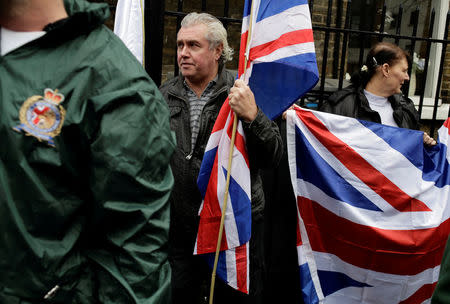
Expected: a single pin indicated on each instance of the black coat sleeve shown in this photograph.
(264, 144)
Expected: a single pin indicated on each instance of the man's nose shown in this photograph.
(407, 77)
(184, 51)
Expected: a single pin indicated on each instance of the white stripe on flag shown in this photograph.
(245, 24)
(387, 283)
(401, 220)
(307, 254)
(230, 256)
(288, 51)
(238, 164)
(271, 28)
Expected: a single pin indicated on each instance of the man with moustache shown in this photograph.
(195, 98)
(84, 161)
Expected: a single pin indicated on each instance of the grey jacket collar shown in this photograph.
(176, 85)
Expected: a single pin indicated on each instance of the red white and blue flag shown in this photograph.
(233, 265)
(282, 64)
(281, 67)
(373, 206)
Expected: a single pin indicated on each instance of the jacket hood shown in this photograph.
(83, 18)
(92, 12)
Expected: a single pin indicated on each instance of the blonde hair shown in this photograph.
(215, 33)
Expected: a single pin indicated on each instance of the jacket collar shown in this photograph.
(363, 100)
(178, 85)
(395, 100)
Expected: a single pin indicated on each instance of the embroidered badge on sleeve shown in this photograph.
(42, 117)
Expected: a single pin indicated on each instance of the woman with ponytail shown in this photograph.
(375, 93)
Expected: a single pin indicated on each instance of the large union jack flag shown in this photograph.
(373, 207)
(281, 67)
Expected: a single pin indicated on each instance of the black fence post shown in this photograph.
(427, 60)
(347, 25)
(412, 48)
(154, 35)
(323, 75)
(337, 40)
(441, 71)
(383, 17)
(399, 24)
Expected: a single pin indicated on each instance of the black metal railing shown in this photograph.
(320, 93)
(156, 15)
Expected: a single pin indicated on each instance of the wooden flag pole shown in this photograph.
(227, 185)
(224, 209)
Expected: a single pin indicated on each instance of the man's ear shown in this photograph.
(218, 52)
(385, 69)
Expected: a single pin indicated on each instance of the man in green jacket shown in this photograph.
(84, 161)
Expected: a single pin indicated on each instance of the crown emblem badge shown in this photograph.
(42, 116)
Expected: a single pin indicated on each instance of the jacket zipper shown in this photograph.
(51, 293)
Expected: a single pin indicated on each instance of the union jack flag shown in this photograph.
(373, 206)
(233, 265)
(281, 67)
(282, 64)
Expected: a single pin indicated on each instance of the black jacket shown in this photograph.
(352, 102)
(264, 147)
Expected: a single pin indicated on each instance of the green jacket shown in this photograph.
(84, 182)
(441, 293)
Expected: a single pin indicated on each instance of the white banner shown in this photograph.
(129, 26)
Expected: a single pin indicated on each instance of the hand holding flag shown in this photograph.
(242, 101)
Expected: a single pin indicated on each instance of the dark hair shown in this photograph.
(379, 54)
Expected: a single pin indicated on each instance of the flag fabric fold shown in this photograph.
(212, 182)
(129, 26)
(281, 67)
(233, 263)
(373, 212)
